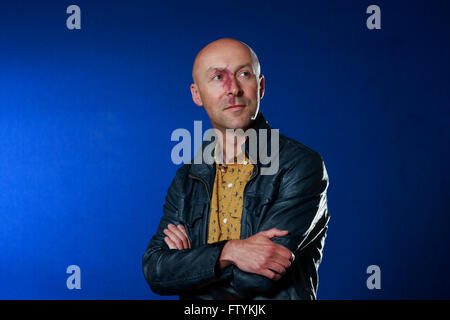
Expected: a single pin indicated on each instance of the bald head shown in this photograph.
(207, 56)
(228, 83)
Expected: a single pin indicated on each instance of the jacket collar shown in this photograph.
(205, 169)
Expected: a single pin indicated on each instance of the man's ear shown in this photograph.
(261, 86)
(196, 95)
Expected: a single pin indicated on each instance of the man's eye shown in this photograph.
(245, 73)
(217, 77)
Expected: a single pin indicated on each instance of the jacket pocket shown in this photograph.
(195, 214)
(255, 211)
(257, 205)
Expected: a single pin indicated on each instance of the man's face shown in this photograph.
(228, 85)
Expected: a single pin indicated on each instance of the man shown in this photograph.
(229, 231)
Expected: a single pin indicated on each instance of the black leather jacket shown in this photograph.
(293, 199)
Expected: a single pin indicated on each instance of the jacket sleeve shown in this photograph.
(300, 208)
(172, 271)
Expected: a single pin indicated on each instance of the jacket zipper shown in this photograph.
(205, 224)
(244, 210)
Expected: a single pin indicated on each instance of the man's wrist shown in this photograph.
(226, 257)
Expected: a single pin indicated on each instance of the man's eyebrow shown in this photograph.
(210, 69)
(249, 64)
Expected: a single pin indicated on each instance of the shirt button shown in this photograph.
(225, 220)
(230, 185)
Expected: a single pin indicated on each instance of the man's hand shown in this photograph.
(177, 237)
(258, 254)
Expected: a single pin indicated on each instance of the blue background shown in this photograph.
(86, 118)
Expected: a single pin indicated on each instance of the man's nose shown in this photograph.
(234, 87)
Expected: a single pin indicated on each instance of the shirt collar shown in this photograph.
(240, 158)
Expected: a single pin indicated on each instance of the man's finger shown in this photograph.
(274, 232)
(271, 275)
(180, 235)
(284, 252)
(282, 260)
(170, 243)
(174, 239)
(276, 267)
(183, 230)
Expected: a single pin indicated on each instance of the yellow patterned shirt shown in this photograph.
(227, 200)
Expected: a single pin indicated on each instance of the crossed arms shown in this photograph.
(256, 254)
(172, 266)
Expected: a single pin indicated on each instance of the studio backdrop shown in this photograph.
(91, 92)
